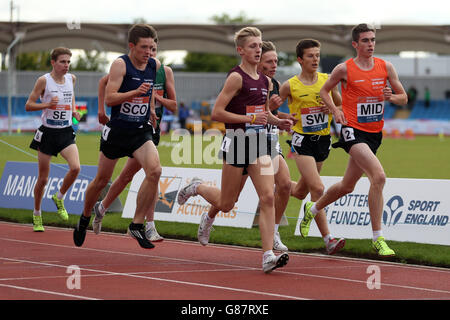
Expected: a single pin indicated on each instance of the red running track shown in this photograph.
(36, 266)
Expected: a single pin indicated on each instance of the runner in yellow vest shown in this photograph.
(311, 140)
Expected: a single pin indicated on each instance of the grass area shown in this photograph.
(423, 157)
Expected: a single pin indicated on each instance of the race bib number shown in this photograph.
(135, 110)
(370, 109)
(314, 119)
(297, 139)
(225, 147)
(105, 132)
(59, 115)
(348, 134)
(251, 110)
(38, 135)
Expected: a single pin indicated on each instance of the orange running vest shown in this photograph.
(362, 98)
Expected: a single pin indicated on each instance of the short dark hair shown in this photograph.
(306, 44)
(268, 46)
(360, 28)
(141, 31)
(59, 52)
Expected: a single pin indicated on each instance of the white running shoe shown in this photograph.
(271, 262)
(334, 245)
(277, 244)
(153, 235)
(188, 191)
(204, 229)
(97, 223)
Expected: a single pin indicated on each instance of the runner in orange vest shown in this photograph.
(364, 94)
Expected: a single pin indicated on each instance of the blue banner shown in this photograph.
(19, 178)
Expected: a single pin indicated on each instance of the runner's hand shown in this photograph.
(285, 124)
(275, 102)
(103, 118)
(387, 93)
(53, 102)
(339, 117)
(143, 89)
(261, 117)
(153, 118)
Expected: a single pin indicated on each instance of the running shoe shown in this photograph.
(277, 244)
(79, 233)
(204, 229)
(308, 216)
(62, 213)
(37, 224)
(334, 245)
(137, 231)
(153, 235)
(271, 262)
(382, 248)
(188, 191)
(97, 223)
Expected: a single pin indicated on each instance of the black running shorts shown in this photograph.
(52, 141)
(351, 136)
(312, 145)
(119, 142)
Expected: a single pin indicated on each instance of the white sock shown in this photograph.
(101, 208)
(209, 219)
(37, 212)
(276, 227)
(314, 210)
(150, 224)
(59, 195)
(268, 253)
(376, 234)
(327, 238)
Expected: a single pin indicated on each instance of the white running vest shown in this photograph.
(59, 116)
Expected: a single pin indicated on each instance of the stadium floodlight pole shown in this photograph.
(11, 71)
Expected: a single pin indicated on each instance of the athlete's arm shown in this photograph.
(75, 112)
(338, 74)
(38, 90)
(336, 96)
(284, 124)
(102, 117)
(116, 73)
(171, 101)
(275, 100)
(399, 97)
(232, 86)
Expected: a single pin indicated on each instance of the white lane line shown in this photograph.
(48, 292)
(269, 294)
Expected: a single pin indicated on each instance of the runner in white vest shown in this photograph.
(55, 135)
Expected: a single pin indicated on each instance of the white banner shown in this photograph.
(416, 210)
(173, 179)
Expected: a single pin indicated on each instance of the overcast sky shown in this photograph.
(434, 12)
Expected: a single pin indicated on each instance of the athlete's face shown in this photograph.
(154, 51)
(310, 60)
(142, 50)
(251, 50)
(62, 63)
(365, 46)
(268, 64)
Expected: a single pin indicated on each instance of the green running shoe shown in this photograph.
(307, 218)
(62, 213)
(37, 224)
(382, 248)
